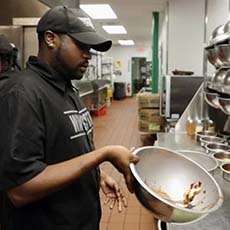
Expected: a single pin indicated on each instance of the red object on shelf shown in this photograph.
(100, 112)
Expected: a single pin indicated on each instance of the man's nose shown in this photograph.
(87, 54)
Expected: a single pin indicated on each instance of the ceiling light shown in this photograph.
(126, 42)
(115, 29)
(99, 11)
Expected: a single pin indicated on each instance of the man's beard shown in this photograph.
(62, 68)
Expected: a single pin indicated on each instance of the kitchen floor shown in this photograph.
(120, 126)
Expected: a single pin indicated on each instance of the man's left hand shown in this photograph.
(113, 192)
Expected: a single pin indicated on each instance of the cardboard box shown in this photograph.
(148, 114)
(148, 100)
(152, 126)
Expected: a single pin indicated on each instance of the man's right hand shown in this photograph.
(121, 157)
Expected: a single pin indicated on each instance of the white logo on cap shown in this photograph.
(86, 21)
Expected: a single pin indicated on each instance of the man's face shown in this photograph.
(4, 63)
(71, 58)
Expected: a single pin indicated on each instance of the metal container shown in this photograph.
(224, 134)
(161, 179)
(218, 35)
(215, 148)
(161, 225)
(205, 133)
(222, 157)
(207, 140)
(206, 161)
(219, 76)
(223, 53)
(212, 99)
(213, 58)
(224, 103)
(225, 167)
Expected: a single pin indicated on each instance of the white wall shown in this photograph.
(185, 36)
(125, 54)
(163, 43)
(186, 32)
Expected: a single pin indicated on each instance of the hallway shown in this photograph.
(120, 126)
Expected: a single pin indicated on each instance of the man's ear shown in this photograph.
(50, 39)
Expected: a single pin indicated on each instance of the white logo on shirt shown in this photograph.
(81, 121)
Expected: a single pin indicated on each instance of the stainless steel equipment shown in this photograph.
(86, 91)
(179, 90)
(163, 176)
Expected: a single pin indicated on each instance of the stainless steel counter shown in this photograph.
(220, 219)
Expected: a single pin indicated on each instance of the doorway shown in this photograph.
(141, 74)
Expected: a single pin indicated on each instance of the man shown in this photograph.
(8, 55)
(48, 164)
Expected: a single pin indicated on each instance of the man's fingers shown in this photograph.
(132, 149)
(124, 201)
(134, 159)
(112, 203)
(107, 199)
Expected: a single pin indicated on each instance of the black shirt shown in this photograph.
(43, 122)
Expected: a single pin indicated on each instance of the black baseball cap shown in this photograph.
(72, 21)
(5, 45)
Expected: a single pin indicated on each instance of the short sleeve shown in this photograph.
(22, 134)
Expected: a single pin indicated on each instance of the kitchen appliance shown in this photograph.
(178, 91)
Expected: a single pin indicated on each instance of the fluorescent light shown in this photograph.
(115, 29)
(126, 42)
(99, 11)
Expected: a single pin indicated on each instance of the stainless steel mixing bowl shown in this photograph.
(206, 161)
(222, 157)
(219, 76)
(207, 140)
(225, 167)
(223, 53)
(224, 104)
(216, 147)
(205, 133)
(212, 99)
(161, 179)
(213, 58)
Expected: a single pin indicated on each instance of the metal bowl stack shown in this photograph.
(222, 157)
(216, 147)
(163, 179)
(211, 139)
(205, 133)
(225, 167)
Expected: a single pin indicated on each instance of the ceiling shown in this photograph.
(135, 15)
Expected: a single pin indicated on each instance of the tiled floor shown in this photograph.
(120, 126)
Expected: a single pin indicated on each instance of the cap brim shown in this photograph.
(97, 42)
